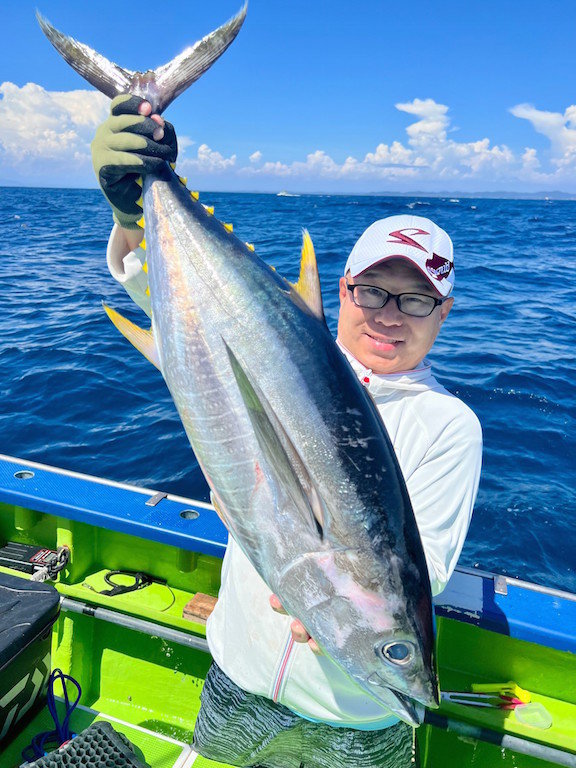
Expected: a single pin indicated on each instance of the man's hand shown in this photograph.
(129, 144)
(299, 633)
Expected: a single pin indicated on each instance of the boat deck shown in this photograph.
(157, 748)
(141, 664)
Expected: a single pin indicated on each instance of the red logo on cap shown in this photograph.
(439, 267)
(403, 239)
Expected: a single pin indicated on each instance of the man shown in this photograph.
(270, 699)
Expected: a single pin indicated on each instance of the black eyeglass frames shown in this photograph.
(413, 304)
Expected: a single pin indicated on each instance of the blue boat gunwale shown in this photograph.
(108, 504)
(499, 604)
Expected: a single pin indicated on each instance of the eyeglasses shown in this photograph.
(413, 304)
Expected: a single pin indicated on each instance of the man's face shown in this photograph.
(386, 340)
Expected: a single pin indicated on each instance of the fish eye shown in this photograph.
(398, 653)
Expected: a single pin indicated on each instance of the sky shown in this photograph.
(342, 97)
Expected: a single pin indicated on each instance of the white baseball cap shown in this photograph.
(414, 238)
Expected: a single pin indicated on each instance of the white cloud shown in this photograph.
(184, 143)
(428, 155)
(559, 128)
(530, 161)
(431, 126)
(44, 131)
(208, 161)
(46, 136)
(395, 154)
(269, 169)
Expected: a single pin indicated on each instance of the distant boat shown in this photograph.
(286, 194)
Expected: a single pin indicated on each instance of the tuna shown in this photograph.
(300, 465)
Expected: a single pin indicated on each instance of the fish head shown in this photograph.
(374, 630)
(395, 623)
(405, 649)
(404, 667)
(394, 651)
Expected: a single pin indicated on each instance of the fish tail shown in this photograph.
(159, 86)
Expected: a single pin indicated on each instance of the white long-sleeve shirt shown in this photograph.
(438, 442)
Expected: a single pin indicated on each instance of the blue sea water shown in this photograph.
(75, 394)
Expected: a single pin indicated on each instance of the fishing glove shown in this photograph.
(124, 150)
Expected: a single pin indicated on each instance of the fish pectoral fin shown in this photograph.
(143, 340)
(308, 285)
(280, 453)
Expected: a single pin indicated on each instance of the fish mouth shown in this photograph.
(406, 708)
(413, 710)
(403, 706)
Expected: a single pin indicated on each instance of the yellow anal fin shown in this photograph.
(308, 285)
(143, 243)
(141, 339)
(145, 267)
(141, 222)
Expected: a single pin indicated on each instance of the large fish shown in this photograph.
(299, 462)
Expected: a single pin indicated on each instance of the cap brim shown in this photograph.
(436, 284)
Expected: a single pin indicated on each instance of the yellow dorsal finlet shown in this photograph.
(140, 202)
(228, 227)
(139, 181)
(183, 180)
(143, 340)
(308, 285)
(195, 195)
(250, 246)
(173, 166)
(209, 209)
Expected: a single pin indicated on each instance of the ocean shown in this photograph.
(75, 394)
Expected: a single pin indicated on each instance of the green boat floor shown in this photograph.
(559, 736)
(156, 602)
(439, 749)
(158, 750)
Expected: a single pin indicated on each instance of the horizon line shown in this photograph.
(486, 194)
